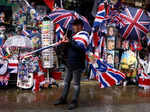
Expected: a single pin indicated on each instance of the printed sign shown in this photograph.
(128, 60)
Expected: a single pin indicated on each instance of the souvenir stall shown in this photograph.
(27, 52)
(30, 55)
(24, 39)
(124, 53)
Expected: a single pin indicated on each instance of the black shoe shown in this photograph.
(60, 102)
(73, 105)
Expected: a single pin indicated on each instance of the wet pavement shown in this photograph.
(92, 99)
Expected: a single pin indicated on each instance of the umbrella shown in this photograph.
(18, 41)
(134, 22)
(66, 17)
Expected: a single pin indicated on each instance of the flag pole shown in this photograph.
(41, 49)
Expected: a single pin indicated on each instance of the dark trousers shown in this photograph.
(76, 76)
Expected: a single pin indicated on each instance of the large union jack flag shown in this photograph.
(135, 23)
(105, 74)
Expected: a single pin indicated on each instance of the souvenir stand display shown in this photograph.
(30, 55)
(47, 39)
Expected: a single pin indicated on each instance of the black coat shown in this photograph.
(75, 56)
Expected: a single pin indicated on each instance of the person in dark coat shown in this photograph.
(75, 63)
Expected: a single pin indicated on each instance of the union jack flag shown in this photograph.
(134, 45)
(82, 39)
(13, 65)
(105, 74)
(99, 25)
(99, 51)
(135, 23)
(100, 16)
(66, 17)
(39, 78)
(102, 13)
(94, 38)
(97, 41)
(62, 15)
